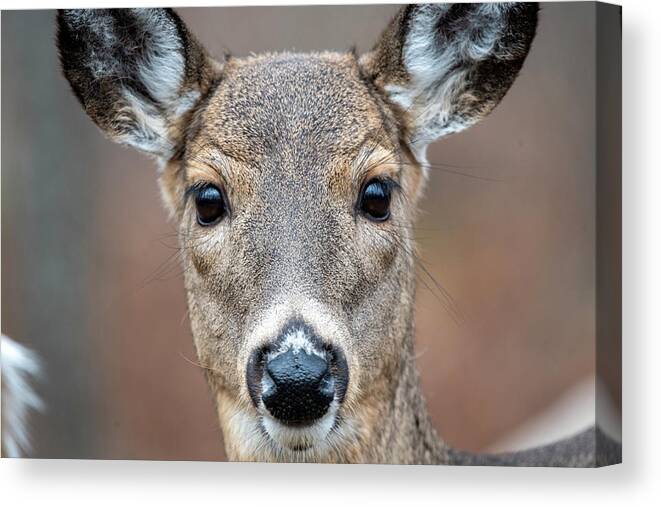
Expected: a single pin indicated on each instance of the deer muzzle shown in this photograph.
(297, 377)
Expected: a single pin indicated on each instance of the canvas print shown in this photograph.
(378, 234)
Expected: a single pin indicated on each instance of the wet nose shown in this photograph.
(297, 386)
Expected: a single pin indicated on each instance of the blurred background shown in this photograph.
(507, 228)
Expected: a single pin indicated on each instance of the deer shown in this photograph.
(293, 180)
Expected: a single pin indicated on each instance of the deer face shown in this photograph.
(296, 247)
(294, 180)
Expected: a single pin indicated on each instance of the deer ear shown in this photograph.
(137, 73)
(448, 65)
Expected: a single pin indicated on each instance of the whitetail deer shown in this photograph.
(294, 180)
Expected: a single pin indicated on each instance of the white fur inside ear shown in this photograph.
(438, 69)
(20, 369)
(159, 66)
(149, 131)
(162, 67)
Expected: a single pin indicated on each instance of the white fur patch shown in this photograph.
(301, 438)
(20, 368)
(295, 340)
(186, 102)
(149, 128)
(262, 438)
(162, 67)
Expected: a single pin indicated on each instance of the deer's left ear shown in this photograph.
(448, 65)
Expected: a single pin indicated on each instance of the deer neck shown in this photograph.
(404, 432)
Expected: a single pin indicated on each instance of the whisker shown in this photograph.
(194, 363)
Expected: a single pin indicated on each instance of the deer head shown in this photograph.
(294, 179)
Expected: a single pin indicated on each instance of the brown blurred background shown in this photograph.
(89, 280)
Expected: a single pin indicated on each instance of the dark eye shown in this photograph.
(210, 205)
(375, 200)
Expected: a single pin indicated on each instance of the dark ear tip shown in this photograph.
(66, 26)
(61, 18)
(65, 32)
(62, 33)
(66, 16)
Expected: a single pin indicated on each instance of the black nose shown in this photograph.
(297, 386)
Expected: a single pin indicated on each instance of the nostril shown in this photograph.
(268, 385)
(255, 373)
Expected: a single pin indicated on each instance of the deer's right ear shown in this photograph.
(137, 73)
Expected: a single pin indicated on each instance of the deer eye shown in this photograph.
(375, 200)
(210, 205)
